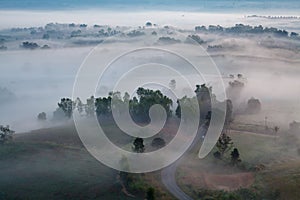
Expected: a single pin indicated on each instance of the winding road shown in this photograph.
(168, 173)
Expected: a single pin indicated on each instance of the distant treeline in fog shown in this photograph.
(83, 34)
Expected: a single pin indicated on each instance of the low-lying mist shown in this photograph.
(39, 78)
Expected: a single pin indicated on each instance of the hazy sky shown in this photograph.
(191, 5)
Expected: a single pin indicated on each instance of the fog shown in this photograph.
(39, 78)
(181, 19)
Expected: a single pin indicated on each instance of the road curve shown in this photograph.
(168, 173)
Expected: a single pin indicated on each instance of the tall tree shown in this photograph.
(66, 105)
(79, 105)
(235, 156)
(138, 145)
(90, 106)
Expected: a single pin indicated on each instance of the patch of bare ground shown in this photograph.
(227, 181)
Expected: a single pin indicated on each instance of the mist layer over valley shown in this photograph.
(38, 76)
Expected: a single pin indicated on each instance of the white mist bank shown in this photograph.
(182, 19)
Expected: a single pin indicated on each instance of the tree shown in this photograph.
(178, 110)
(139, 107)
(138, 145)
(150, 194)
(90, 106)
(253, 106)
(42, 116)
(126, 97)
(224, 144)
(79, 105)
(204, 99)
(103, 106)
(67, 106)
(5, 134)
(229, 111)
(235, 156)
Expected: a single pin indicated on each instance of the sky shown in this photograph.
(184, 5)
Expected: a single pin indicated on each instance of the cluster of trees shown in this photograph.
(242, 29)
(138, 106)
(33, 45)
(135, 33)
(168, 40)
(195, 38)
(29, 45)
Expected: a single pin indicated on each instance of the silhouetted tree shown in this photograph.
(139, 108)
(5, 134)
(224, 144)
(138, 145)
(79, 105)
(253, 106)
(204, 99)
(235, 156)
(103, 106)
(229, 111)
(90, 106)
(178, 110)
(42, 116)
(66, 106)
